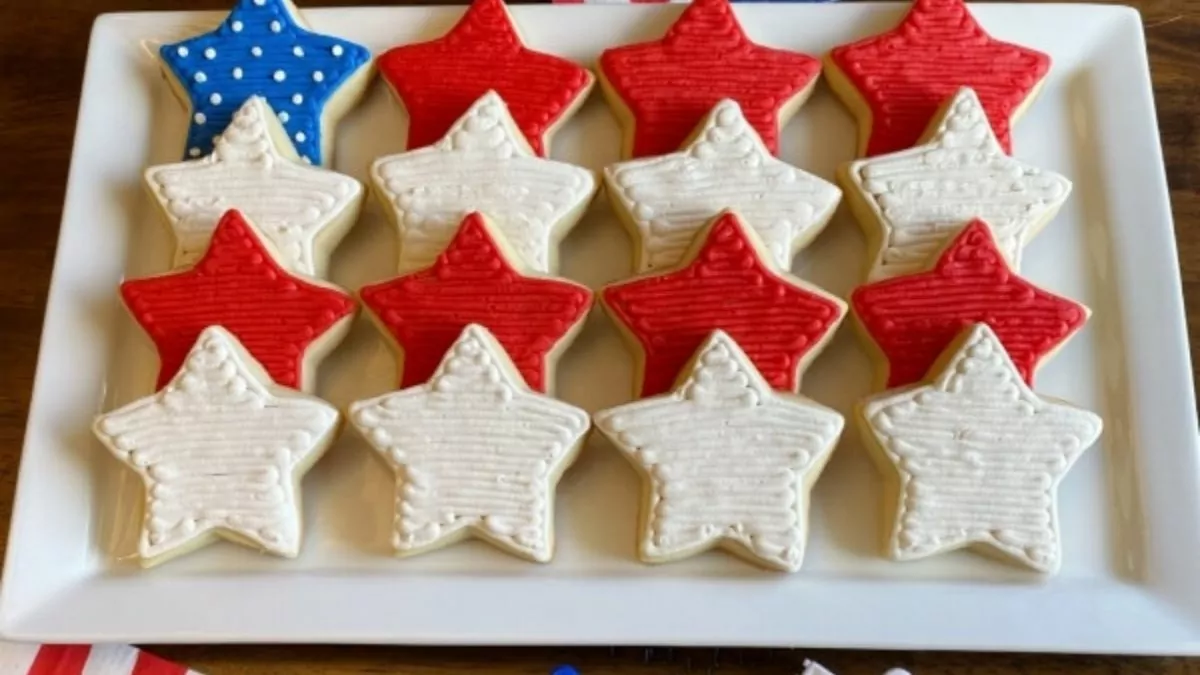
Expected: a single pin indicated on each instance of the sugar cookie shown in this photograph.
(895, 82)
(909, 320)
(475, 451)
(303, 211)
(974, 458)
(725, 282)
(726, 460)
(221, 450)
(911, 202)
(264, 49)
(484, 164)
(664, 201)
(661, 90)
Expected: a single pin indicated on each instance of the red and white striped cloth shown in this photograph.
(32, 659)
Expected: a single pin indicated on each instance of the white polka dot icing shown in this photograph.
(475, 452)
(669, 198)
(180, 440)
(287, 202)
(262, 49)
(483, 163)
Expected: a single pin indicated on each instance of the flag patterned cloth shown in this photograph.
(32, 659)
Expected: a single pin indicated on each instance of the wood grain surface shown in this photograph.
(42, 49)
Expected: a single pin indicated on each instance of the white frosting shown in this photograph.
(922, 196)
(475, 452)
(980, 457)
(482, 164)
(221, 451)
(287, 201)
(726, 166)
(730, 461)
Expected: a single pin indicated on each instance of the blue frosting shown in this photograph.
(260, 50)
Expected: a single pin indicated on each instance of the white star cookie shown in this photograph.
(301, 211)
(482, 164)
(221, 451)
(666, 200)
(912, 202)
(978, 457)
(729, 462)
(475, 451)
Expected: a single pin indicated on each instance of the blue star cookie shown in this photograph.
(263, 49)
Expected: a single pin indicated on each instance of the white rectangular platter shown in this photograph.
(1130, 509)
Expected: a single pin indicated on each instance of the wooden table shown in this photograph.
(42, 48)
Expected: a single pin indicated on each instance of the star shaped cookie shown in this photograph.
(301, 211)
(976, 457)
(439, 80)
(221, 450)
(662, 89)
(665, 200)
(484, 164)
(476, 281)
(911, 319)
(287, 323)
(728, 461)
(264, 49)
(910, 202)
(475, 451)
(896, 81)
(727, 282)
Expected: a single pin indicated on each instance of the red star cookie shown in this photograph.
(475, 281)
(896, 81)
(665, 88)
(725, 283)
(913, 318)
(438, 80)
(286, 322)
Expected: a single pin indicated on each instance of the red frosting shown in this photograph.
(440, 79)
(473, 282)
(907, 73)
(238, 285)
(726, 286)
(914, 318)
(670, 84)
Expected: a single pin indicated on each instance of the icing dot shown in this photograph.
(182, 51)
(276, 26)
(337, 50)
(210, 53)
(318, 76)
(279, 76)
(215, 99)
(260, 3)
(284, 117)
(194, 152)
(237, 26)
(201, 77)
(200, 118)
(306, 159)
(300, 137)
(237, 73)
(298, 50)
(256, 51)
(297, 98)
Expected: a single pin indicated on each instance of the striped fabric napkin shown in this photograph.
(32, 659)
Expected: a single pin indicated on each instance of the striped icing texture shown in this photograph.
(439, 80)
(727, 286)
(238, 285)
(473, 282)
(670, 84)
(905, 74)
(914, 318)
